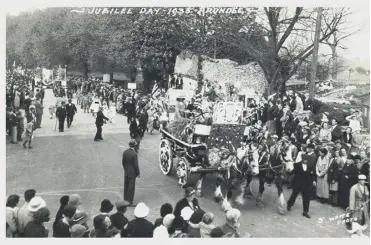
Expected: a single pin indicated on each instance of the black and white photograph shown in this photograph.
(187, 122)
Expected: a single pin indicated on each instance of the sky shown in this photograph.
(358, 45)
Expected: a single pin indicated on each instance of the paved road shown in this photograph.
(71, 162)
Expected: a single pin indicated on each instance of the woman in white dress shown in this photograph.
(112, 113)
(105, 110)
(322, 167)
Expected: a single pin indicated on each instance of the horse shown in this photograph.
(242, 164)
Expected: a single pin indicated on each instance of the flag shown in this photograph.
(154, 90)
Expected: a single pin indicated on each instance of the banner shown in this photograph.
(228, 113)
(106, 78)
(132, 86)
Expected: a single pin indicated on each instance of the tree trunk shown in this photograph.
(334, 69)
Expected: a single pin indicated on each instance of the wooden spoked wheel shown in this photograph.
(166, 157)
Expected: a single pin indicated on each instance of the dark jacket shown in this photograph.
(336, 133)
(140, 228)
(61, 112)
(333, 171)
(71, 109)
(346, 140)
(272, 113)
(119, 221)
(134, 129)
(130, 163)
(100, 118)
(184, 203)
(42, 93)
(34, 229)
(61, 229)
(302, 179)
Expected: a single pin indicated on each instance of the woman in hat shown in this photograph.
(322, 166)
(359, 195)
(36, 228)
(348, 178)
(29, 132)
(325, 132)
(188, 201)
(333, 178)
(140, 227)
(179, 108)
(347, 137)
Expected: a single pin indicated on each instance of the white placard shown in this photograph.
(106, 78)
(132, 86)
(64, 83)
(228, 113)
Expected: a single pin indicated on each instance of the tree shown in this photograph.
(351, 70)
(342, 32)
(279, 58)
(361, 70)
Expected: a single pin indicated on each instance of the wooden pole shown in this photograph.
(315, 53)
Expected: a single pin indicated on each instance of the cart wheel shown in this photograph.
(166, 157)
(183, 171)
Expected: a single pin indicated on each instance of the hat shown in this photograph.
(189, 191)
(178, 223)
(132, 143)
(168, 220)
(311, 146)
(69, 211)
(233, 214)
(186, 213)
(141, 210)
(121, 205)
(35, 204)
(106, 206)
(80, 218)
(303, 123)
(306, 128)
(337, 141)
(160, 232)
(32, 107)
(274, 136)
(74, 200)
(197, 216)
(362, 177)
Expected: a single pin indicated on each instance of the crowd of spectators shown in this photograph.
(186, 219)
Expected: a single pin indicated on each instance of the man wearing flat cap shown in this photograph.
(131, 168)
(119, 221)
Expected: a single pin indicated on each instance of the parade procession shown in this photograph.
(196, 143)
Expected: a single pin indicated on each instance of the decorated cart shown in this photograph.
(193, 145)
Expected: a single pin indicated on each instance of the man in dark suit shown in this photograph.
(302, 182)
(335, 131)
(71, 110)
(135, 132)
(39, 112)
(61, 114)
(42, 95)
(131, 168)
(99, 124)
